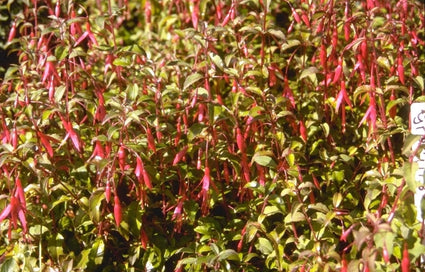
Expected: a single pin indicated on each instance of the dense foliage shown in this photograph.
(244, 135)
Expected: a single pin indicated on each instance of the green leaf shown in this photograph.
(256, 111)
(319, 207)
(196, 130)
(59, 92)
(37, 230)
(183, 250)
(251, 232)
(216, 112)
(310, 72)
(408, 144)
(409, 169)
(345, 158)
(55, 246)
(363, 89)
(265, 161)
(113, 131)
(191, 79)
(419, 80)
(390, 88)
(338, 175)
(294, 217)
(132, 91)
(62, 199)
(100, 21)
(218, 62)
(189, 260)
(394, 103)
(9, 265)
(77, 52)
(95, 202)
(10, 73)
(122, 61)
(249, 256)
(269, 210)
(371, 196)
(202, 93)
(277, 33)
(336, 200)
(61, 52)
(418, 249)
(84, 259)
(289, 44)
(48, 30)
(202, 230)
(228, 254)
(264, 246)
(7, 147)
(386, 239)
(97, 251)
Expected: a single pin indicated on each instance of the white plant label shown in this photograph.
(417, 118)
(417, 127)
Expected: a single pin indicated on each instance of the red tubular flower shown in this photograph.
(303, 131)
(121, 157)
(243, 231)
(240, 140)
(88, 33)
(108, 192)
(57, 9)
(393, 110)
(143, 238)
(338, 72)
(385, 254)
(148, 11)
(342, 96)
(405, 262)
(147, 179)
(117, 211)
(246, 175)
(296, 16)
(206, 182)
(177, 215)
(195, 14)
(230, 15)
(151, 140)
(141, 173)
(180, 155)
(16, 211)
(287, 92)
(344, 265)
(345, 234)
(71, 134)
(45, 141)
(261, 175)
(12, 32)
(400, 69)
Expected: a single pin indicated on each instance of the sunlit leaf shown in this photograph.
(218, 62)
(55, 246)
(228, 254)
(9, 265)
(265, 161)
(95, 202)
(264, 246)
(123, 61)
(191, 79)
(410, 169)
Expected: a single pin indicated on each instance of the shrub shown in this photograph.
(198, 135)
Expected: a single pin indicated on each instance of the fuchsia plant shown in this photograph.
(198, 135)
